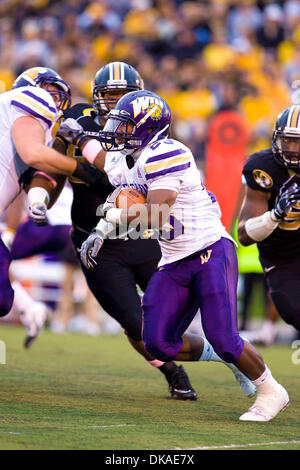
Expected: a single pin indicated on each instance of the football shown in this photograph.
(128, 197)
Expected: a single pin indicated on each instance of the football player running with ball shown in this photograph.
(270, 214)
(125, 262)
(198, 267)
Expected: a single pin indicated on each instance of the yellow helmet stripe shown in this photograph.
(295, 116)
(117, 74)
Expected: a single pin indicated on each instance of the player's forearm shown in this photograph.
(49, 160)
(152, 216)
(52, 183)
(94, 154)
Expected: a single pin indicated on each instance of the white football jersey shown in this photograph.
(24, 101)
(194, 222)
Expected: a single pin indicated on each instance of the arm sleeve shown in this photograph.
(167, 171)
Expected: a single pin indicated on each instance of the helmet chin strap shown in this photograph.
(158, 134)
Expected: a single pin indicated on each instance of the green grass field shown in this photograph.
(79, 392)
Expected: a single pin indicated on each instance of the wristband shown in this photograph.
(37, 195)
(113, 215)
(41, 173)
(91, 150)
(259, 228)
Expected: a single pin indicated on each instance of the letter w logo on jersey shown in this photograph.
(205, 256)
(145, 102)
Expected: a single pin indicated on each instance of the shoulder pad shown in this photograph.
(79, 110)
(167, 156)
(260, 170)
(37, 102)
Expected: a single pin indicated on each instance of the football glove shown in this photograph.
(90, 249)
(287, 198)
(37, 213)
(73, 132)
(110, 201)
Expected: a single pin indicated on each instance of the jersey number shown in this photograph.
(175, 229)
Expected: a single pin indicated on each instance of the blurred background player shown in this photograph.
(28, 115)
(270, 214)
(25, 239)
(252, 283)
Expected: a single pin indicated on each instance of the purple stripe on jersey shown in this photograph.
(40, 100)
(165, 155)
(32, 112)
(168, 170)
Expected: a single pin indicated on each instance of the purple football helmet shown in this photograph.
(139, 118)
(42, 77)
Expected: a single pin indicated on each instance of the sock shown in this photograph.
(266, 382)
(208, 353)
(166, 368)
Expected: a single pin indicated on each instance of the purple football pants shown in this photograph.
(205, 280)
(33, 240)
(30, 240)
(6, 291)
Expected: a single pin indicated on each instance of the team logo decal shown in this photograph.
(156, 111)
(262, 178)
(148, 104)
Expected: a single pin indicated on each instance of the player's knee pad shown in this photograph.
(132, 327)
(6, 300)
(292, 317)
(134, 333)
(288, 309)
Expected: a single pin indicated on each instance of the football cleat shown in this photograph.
(180, 386)
(34, 319)
(267, 406)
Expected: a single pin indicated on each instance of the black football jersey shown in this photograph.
(263, 173)
(86, 199)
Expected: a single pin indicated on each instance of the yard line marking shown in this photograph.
(111, 426)
(9, 432)
(232, 446)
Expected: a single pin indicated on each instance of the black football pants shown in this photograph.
(122, 265)
(284, 284)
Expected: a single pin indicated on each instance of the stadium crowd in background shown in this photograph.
(201, 56)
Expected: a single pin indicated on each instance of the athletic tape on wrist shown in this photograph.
(259, 228)
(91, 150)
(104, 227)
(113, 215)
(38, 195)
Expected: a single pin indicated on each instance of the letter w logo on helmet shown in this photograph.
(142, 103)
